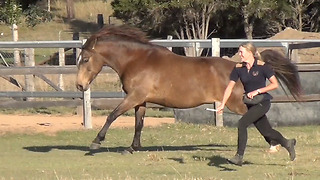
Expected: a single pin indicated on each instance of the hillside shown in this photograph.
(60, 28)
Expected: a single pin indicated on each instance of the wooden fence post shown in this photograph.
(29, 62)
(169, 37)
(215, 44)
(87, 109)
(87, 121)
(100, 21)
(61, 63)
(16, 53)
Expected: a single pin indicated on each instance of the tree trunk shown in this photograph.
(248, 26)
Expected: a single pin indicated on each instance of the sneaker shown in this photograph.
(274, 149)
(290, 148)
(236, 160)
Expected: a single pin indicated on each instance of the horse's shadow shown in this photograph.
(217, 161)
(121, 149)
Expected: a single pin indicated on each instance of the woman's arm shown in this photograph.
(271, 86)
(226, 96)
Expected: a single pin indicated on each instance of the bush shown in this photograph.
(36, 15)
(11, 12)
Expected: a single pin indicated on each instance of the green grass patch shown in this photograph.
(175, 151)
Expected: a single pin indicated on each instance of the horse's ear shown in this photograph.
(94, 43)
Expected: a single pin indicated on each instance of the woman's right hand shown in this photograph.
(220, 108)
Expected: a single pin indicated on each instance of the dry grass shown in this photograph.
(61, 29)
(85, 10)
(103, 82)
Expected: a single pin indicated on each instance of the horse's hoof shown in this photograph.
(125, 152)
(89, 154)
(130, 150)
(94, 146)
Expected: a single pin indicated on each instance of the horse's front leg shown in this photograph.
(96, 143)
(139, 120)
(123, 107)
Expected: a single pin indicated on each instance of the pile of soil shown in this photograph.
(310, 55)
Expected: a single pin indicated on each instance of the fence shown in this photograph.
(214, 44)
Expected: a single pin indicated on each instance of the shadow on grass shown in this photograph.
(220, 163)
(121, 149)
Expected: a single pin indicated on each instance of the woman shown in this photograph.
(253, 73)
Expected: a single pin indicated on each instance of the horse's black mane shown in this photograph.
(121, 33)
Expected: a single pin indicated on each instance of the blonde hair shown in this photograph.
(252, 48)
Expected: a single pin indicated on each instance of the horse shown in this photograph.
(152, 73)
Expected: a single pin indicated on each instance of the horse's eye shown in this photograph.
(85, 60)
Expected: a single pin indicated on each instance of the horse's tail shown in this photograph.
(284, 70)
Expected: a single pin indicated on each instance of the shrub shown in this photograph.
(36, 15)
(11, 12)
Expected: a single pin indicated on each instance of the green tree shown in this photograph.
(35, 15)
(313, 22)
(186, 19)
(11, 12)
(300, 15)
(251, 11)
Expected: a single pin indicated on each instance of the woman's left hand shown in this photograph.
(252, 94)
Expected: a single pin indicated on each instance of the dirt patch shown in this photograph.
(51, 124)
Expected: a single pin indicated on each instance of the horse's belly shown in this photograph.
(181, 99)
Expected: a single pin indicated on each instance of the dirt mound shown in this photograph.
(310, 55)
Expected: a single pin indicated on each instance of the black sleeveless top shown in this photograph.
(255, 78)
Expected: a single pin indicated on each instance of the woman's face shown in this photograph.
(245, 54)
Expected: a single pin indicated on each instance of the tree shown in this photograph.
(186, 19)
(300, 15)
(251, 11)
(11, 14)
(313, 22)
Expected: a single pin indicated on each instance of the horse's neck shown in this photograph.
(118, 58)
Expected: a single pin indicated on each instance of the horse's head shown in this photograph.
(89, 64)
(109, 46)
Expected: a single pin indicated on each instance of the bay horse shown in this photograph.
(152, 73)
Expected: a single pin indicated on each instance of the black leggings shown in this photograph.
(256, 114)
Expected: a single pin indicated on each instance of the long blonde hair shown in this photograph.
(252, 48)
(286, 72)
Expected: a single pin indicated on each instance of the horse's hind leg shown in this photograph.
(139, 120)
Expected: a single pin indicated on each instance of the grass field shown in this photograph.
(176, 151)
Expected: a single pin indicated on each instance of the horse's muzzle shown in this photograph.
(80, 87)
